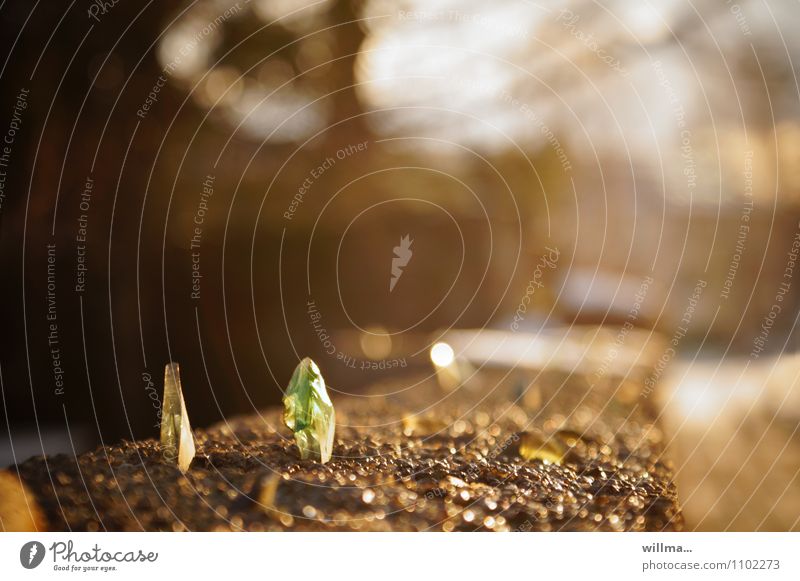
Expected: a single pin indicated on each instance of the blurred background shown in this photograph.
(235, 185)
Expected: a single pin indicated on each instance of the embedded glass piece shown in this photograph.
(534, 447)
(177, 440)
(309, 412)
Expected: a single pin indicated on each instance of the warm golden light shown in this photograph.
(376, 343)
(442, 355)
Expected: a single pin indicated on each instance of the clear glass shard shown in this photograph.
(309, 412)
(177, 440)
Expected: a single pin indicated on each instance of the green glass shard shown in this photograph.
(309, 412)
(177, 440)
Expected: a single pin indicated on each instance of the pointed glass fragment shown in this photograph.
(176, 433)
(309, 412)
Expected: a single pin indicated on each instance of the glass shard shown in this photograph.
(268, 492)
(534, 447)
(309, 412)
(177, 440)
